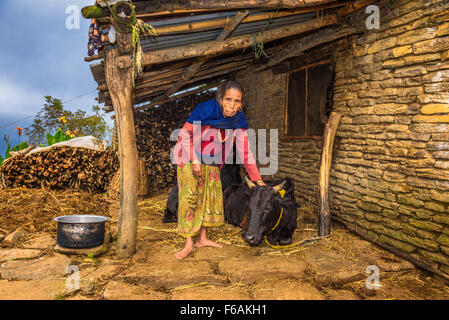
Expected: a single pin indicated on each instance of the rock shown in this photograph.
(116, 290)
(174, 274)
(15, 254)
(102, 273)
(95, 251)
(329, 269)
(49, 289)
(14, 237)
(41, 242)
(35, 269)
(248, 269)
(86, 286)
(107, 262)
(209, 293)
(289, 289)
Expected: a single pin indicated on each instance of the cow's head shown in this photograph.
(264, 209)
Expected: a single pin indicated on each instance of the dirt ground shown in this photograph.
(333, 268)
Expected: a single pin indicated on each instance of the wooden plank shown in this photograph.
(307, 43)
(324, 224)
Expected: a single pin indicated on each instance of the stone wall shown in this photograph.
(389, 175)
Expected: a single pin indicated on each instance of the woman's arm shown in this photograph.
(245, 154)
(185, 140)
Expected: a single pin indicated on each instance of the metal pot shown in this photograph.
(80, 231)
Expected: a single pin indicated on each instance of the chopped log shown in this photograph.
(61, 168)
(306, 43)
(324, 224)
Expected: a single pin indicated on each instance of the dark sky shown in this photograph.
(40, 56)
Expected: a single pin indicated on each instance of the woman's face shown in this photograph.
(232, 102)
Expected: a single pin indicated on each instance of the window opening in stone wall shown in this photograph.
(309, 100)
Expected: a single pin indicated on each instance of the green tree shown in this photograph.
(48, 120)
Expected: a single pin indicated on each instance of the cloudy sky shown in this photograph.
(40, 56)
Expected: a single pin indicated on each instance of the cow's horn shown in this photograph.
(279, 186)
(249, 183)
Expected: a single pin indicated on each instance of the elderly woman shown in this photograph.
(200, 192)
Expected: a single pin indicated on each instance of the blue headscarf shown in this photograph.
(209, 113)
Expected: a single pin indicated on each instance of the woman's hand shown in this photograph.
(196, 169)
(260, 182)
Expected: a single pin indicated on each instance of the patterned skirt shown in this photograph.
(200, 199)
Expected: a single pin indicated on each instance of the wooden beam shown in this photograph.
(306, 43)
(147, 6)
(324, 224)
(182, 95)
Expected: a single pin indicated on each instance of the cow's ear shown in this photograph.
(249, 183)
(279, 186)
(285, 203)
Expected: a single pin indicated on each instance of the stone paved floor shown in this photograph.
(332, 268)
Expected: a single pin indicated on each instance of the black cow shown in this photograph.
(229, 174)
(257, 209)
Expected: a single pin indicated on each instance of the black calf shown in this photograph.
(257, 209)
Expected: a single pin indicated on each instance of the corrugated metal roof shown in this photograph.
(176, 40)
(173, 41)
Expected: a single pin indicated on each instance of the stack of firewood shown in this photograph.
(60, 168)
(153, 129)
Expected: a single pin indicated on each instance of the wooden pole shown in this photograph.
(324, 224)
(119, 79)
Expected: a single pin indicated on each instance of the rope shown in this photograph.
(282, 193)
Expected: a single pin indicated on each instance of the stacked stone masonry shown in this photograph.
(390, 167)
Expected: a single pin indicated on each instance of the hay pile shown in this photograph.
(34, 209)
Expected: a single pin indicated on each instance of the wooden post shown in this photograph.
(119, 78)
(324, 220)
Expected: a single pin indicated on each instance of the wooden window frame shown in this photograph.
(285, 136)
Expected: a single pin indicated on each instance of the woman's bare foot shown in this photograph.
(186, 251)
(203, 241)
(207, 243)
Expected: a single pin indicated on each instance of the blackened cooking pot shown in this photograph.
(80, 231)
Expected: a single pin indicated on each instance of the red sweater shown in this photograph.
(209, 133)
